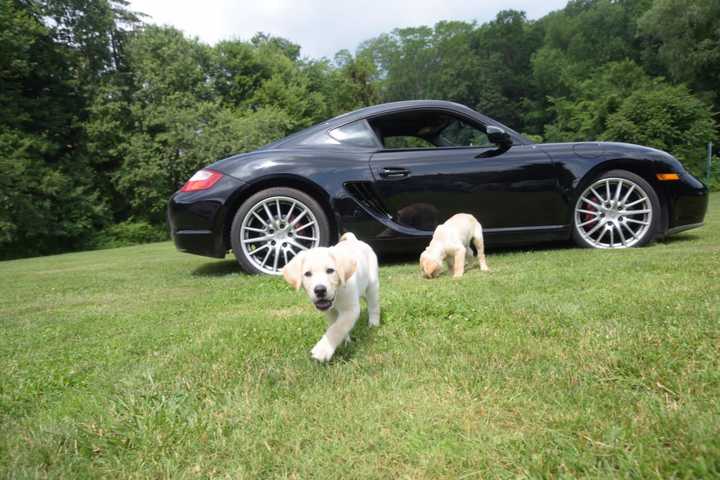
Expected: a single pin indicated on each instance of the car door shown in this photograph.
(513, 190)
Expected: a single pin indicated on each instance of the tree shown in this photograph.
(180, 136)
(583, 114)
(237, 70)
(666, 117)
(182, 105)
(50, 202)
(622, 103)
(687, 39)
(353, 82)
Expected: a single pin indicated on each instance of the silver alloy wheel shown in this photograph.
(613, 213)
(275, 230)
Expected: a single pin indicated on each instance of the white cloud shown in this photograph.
(322, 27)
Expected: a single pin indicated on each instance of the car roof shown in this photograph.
(393, 106)
(379, 109)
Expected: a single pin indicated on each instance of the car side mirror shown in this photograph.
(499, 137)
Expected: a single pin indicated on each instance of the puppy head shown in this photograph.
(429, 265)
(320, 271)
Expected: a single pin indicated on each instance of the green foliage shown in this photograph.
(668, 118)
(354, 83)
(687, 40)
(582, 115)
(237, 70)
(130, 232)
(181, 136)
(713, 181)
(621, 103)
(49, 202)
(533, 137)
(43, 209)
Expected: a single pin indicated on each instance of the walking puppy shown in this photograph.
(335, 278)
(451, 243)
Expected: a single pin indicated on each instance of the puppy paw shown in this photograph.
(322, 351)
(374, 321)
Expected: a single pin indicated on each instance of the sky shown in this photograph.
(322, 27)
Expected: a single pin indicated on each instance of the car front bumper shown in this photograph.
(687, 201)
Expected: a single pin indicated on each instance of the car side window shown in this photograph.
(427, 129)
(460, 134)
(356, 133)
(406, 141)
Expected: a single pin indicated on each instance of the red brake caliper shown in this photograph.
(587, 216)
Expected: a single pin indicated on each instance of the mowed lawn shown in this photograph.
(143, 362)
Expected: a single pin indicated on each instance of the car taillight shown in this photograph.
(202, 180)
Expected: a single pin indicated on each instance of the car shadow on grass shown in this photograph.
(414, 257)
(218, 269)
(230, 267)
(678, 239)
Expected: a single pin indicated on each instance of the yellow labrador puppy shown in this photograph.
(451, 243)
(335, 278)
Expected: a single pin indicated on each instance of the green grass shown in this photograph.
(143, 362)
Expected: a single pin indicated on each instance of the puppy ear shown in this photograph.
(344, 264)
(292, 272)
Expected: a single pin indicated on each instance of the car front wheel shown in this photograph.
(274, 225)
(617, 210)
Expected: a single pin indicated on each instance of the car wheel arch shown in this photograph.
(287, 181)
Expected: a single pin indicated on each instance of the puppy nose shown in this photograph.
(320, 291)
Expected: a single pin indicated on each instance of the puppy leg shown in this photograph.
(479, 243)
(373, 303)
(458, 259)
(335, 334)
(332, 316)
(372, 293)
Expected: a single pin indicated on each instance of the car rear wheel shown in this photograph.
(274, 225)
(617, 210)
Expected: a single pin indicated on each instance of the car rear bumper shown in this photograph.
(198, 219)
(199, 242)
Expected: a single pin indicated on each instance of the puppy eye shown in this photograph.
(330, 271)
(308, 274)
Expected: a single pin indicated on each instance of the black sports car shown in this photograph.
(390, 173)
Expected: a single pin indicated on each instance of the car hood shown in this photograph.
(593, 149)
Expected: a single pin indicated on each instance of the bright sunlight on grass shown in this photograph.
(143, 362)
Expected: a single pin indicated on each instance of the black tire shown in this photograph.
(582, 222)
(245, 260)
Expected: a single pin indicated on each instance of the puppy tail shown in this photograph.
(348, 236)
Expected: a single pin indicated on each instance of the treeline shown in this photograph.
(103, 116)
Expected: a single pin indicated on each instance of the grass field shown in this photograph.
(143, 362)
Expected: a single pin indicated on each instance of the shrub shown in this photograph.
(129, 232)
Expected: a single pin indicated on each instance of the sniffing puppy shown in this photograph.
(335, 278)
(451, 243)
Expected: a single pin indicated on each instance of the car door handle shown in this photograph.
(394, 172)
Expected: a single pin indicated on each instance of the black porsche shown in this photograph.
(390, 173)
